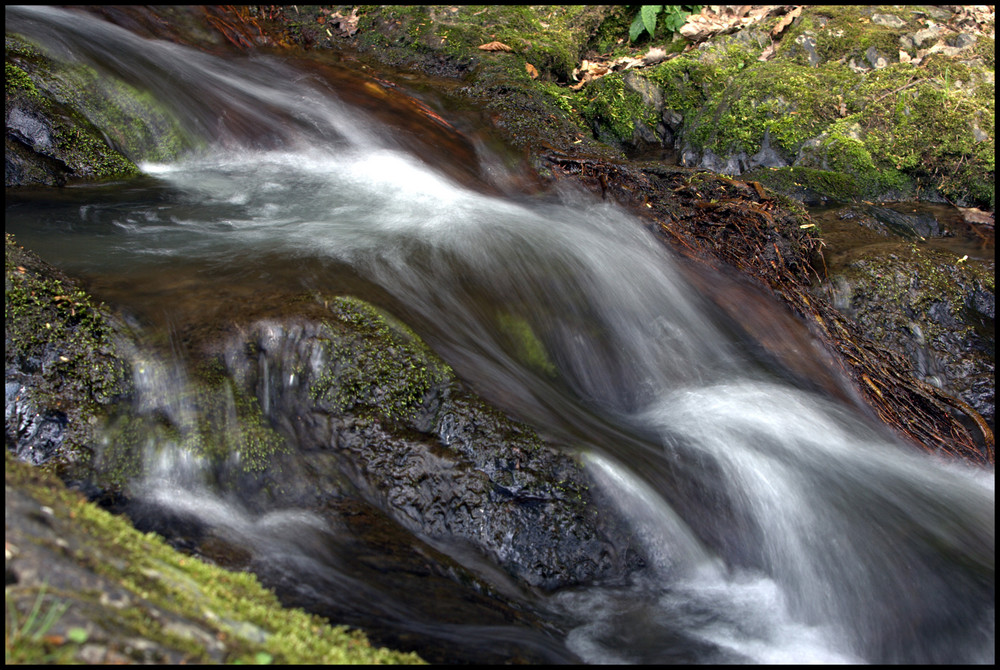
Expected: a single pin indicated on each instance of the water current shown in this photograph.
(846, 546)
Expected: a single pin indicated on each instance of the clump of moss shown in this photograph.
(551, 38)
(99, 126)
(615, 110)
(377, 364)
(56, 333)
(529, 348)
(179, 605)
(895, 131)
(73, 142)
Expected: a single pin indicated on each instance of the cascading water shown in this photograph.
(781, 524)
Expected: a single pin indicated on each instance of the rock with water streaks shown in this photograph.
(438, 460)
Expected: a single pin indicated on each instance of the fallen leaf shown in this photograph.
(348, 25)
(654, 56)
(786, 21)
(973, 215)
(532, 71)
(767, 52)
(495, 46)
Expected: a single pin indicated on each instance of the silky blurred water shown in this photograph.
(783, 526)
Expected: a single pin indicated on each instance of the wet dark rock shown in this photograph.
(907, 226)
(65, 365)
(419, 447)
(938, 313)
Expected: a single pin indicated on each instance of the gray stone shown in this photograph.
(858, 68)
(877, 60)
(768, 156)
(921, 37)
(808, 44)
(962, 40)
(888, 20)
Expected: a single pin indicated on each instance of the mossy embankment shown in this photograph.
(128, 597)
(848, 103)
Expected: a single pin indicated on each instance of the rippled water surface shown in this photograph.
(842, 545)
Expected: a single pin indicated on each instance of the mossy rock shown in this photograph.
(936, 311)
(551, 38)
(66, 364)
(121, 596)
(67, 122)
(895, 130)
(386, 419)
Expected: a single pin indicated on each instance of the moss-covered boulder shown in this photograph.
(399, 428)
(84, 586)
(66, 122)
(866, 96)
(66, 364)
(842, 103)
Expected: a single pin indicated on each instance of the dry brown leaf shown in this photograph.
(973, 215)
(768, 51)
(346, 24)
(786, 21)
(532, 71)
(495, 46)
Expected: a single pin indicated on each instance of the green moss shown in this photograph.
(846, 31)
(135, 123)
(893, 131)
(808, 183)
(377, 364)
(613, 109)
(18, 81)
(56, 328)
(551, 38)
(100, 125)
(926, 131)
(528, 348)
(244, 619)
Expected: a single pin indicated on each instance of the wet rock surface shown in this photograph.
(426, 452)
(896, 275)
(65, 364)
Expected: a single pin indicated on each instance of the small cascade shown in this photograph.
(778, 524)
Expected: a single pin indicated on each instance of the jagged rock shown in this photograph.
(415, 444)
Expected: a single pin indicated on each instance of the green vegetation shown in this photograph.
(24, 637)
(895, 130)
(529, 349)
(376, 363)
(99, 126)
(74, 140)
(551, 38)
(674, 17)
(613, 109)
(175, 602)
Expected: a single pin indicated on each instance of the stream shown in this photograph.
(838, 543)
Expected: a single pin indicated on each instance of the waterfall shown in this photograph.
(782, 524)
